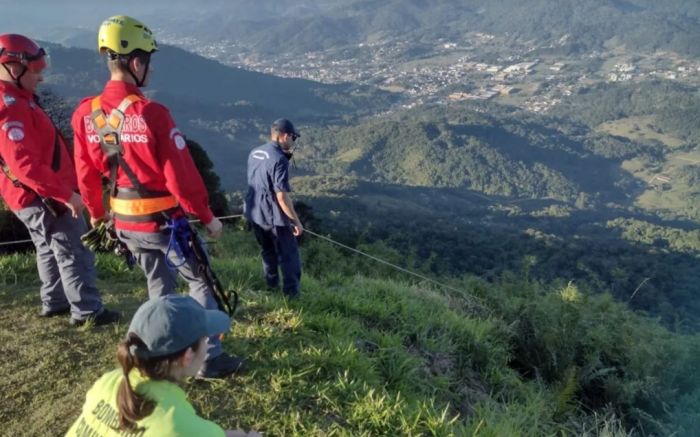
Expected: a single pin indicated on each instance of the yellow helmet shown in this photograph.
(122, 35)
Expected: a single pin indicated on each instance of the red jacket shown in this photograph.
(27, 141)
(153, 148)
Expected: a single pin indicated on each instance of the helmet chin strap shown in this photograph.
(17, 79)
(140, 82)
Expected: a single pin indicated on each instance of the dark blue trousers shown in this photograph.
(280, 250)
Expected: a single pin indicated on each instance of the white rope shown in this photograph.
(418, 275)
(10, 243)
(344, 246)
(225, 217)
(637, 289)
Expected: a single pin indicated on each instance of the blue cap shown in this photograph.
(171, 323)
(284, 126)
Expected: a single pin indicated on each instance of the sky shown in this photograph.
(24, 15)
(75, 22)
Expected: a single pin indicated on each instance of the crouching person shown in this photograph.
(166, 342)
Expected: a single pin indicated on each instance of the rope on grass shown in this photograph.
(475, 300)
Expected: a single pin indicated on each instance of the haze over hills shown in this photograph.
(579, 25)
(282, 27)
(224, 108)
(76, 72)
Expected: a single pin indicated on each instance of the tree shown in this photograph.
(217, 198)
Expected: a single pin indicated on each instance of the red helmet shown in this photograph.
(20, 49)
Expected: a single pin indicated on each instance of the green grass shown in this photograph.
(638, 128)
(359, 354)
(670, 198)
(675, 197)
(351, 155)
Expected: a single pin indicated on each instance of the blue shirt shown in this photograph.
(268, 173)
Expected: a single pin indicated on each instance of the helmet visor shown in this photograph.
(38, 62)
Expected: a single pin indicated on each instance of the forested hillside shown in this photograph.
(486, 189)
(663, 115)
(496, 152)
(573, 26)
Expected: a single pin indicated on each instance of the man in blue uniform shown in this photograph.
(269, 208)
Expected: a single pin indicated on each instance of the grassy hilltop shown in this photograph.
(367, 352)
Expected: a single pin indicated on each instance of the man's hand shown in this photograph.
(287, 206)
(297, 228)
(214, 228)
(95, 221)
(75, 204)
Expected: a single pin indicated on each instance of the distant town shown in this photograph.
(480, 67)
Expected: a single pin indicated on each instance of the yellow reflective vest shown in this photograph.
(173, 415)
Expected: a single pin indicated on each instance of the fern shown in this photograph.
(565, 392)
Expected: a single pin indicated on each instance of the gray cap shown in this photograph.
(284, 126)
(171, 323)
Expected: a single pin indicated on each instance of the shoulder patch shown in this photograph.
(178, 138)
(14, 130)
(260, 154)
(8, 100)
(16, 134)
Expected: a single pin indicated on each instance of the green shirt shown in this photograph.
(173, 414)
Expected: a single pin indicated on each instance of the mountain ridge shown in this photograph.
(640, 24)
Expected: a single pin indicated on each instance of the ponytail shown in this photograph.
(131, 405)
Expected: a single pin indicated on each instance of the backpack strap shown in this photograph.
(8, 173)
(135, 204)
(109, 129)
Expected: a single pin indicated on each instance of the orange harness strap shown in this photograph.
(144, 206)
(136, 207)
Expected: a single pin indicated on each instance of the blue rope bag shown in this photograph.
(180, 236)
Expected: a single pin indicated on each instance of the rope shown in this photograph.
(418, 275)
(10, 243)
(226, 217)
(344, 246)
(637, 289)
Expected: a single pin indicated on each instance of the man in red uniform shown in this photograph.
(134, 141)
(39, 185)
